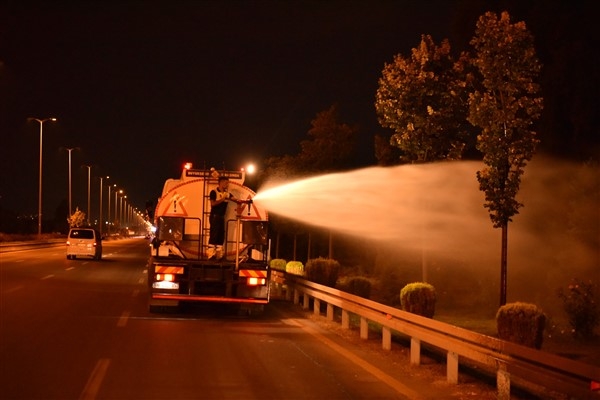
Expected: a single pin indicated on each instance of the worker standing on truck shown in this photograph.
(219, 198)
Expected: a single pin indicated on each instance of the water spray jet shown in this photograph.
(439, 207)
(385, 203)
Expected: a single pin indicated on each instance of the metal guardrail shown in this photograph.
(508, 361)
(6, 247)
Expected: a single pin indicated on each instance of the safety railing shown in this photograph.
(508, 361)
(5, 247)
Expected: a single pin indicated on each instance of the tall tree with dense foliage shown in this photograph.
(423, 99)
(331, 144)
(504, 106)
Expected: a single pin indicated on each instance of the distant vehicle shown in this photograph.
(84, 242)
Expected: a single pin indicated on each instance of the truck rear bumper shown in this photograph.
(212, 299)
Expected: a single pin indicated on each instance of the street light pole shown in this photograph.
(116, 207)
(70, 207)
(89, 167)
(100, 222)
(125, 223)
(41, 121)
(121, 211)
(109, 199)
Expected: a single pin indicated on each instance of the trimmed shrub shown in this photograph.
(278, 264)
(359, 286)
(521, 323)
(324, 271)
(418, 298)
(294, 267)
(581, 307)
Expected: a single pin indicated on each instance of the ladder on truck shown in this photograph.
(204, 237)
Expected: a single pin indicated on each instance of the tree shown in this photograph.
(504, 106)
(330, 147)
(77, 219)
(423, 99)
(385, 153)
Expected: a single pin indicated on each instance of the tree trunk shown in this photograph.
(503, 264)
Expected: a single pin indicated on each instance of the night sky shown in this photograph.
(142, 87)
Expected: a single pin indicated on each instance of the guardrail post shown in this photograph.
(305, 301)
(345, 319)
(364, 328)
(330, 312)
(452, 367)
(386, 340)
(296, 296)
(316, 306)
(503, 382)
(415, 351)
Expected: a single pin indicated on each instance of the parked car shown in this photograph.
(84, 242)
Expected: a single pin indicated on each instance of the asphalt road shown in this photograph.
(80, 329)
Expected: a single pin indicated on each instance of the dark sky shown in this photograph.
(141, 87)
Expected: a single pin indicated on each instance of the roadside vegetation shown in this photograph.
(481, 104)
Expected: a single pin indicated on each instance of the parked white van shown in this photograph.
(84, 242)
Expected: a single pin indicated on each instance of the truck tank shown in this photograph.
(179, 268)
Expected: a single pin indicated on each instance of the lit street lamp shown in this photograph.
(41, 121)
(250, 169)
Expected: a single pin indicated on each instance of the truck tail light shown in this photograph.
(165, 277)
(256, 281)
(254, 277)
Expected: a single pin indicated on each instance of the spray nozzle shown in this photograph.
(249, 202)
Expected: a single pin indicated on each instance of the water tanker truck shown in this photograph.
(181, 267)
